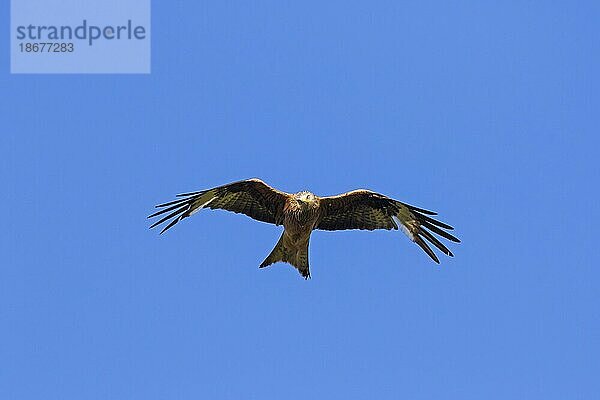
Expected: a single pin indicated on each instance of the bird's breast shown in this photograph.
(300, 220)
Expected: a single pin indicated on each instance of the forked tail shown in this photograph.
(277, 254)
(287, 254)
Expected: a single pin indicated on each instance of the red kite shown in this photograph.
(303, 212)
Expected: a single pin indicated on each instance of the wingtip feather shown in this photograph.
(176, 220)
(433, 240)
(426, 248)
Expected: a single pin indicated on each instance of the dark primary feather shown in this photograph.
(251, 197)
(433, 221)
(433, 240)
(179, 210)
(437, 230)
(418, 240)
(421, 210)
(363, 209)
(187, 194)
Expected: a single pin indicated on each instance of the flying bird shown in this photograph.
(303, 212)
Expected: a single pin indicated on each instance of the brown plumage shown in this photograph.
(303, 212)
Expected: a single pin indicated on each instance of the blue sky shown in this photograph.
(485, 113)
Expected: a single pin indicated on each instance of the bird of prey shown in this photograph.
(303, 212)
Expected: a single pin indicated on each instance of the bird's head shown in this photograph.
(305, 198)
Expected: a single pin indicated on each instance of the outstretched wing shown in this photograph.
(363, 209)
(251, 197)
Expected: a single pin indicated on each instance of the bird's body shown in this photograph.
(303, 212)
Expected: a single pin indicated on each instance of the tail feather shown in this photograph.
(295, 257)
(301, 262)
(277, 254)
